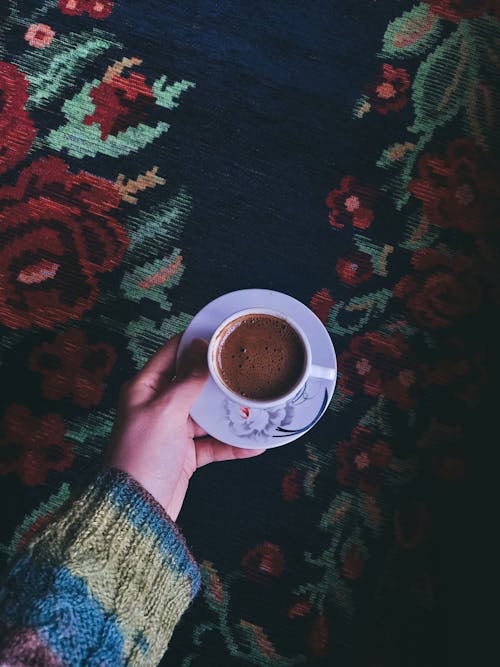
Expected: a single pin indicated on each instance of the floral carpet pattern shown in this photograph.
(155, 155)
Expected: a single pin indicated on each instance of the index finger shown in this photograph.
(159, 370)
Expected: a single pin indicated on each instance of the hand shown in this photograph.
(154, 439)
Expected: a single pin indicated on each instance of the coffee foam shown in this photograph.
(260, 357)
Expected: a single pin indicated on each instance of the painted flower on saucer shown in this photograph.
(260, 424)
(257, 424)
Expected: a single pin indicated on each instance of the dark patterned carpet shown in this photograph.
(155, 155)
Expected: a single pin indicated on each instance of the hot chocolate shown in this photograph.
(260, 357)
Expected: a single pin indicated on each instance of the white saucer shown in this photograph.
(257, 428)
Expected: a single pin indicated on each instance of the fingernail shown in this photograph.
(194, 361)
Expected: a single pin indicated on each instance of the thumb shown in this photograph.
(191, 376)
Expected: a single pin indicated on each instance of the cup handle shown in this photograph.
(323, 372)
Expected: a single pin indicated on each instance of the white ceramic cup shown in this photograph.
(309, 370)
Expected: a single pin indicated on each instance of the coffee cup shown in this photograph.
(262, 358)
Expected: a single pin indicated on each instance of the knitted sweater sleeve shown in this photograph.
(104, 584)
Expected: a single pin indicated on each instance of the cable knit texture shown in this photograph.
(104, 584)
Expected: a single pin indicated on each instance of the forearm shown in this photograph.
(104, 584)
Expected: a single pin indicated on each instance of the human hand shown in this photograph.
(154, 438)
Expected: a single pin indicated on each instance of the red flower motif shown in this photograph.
(72, 367)
(362, 459)
(73, 7)
(32, 446)
(321, 304)
(351, 204)
(379, 365)
(353, 564)
(460, 189)
(39, 35)
(461, 370)
(264, 561)
(445, 449)
(292, 485)
(97, 9)
(355, 267)
(55, 237)
(487, 249)
(456, 10)
(300, 608)
(388, 93)
(120, 102)
(318, 637)
(444, 289)
(16, 128)
(411, 523)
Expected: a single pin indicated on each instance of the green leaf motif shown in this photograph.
(46, 508)
(166, 96)
(154, 229)
(379, 254)
(482, 109)
(62, 65)
(145, 336)
(397, 185)
(338, 521)
(337, 517)
(420, 233)
(43, 9)
(442, 81)
(358, 312)
(378, 417)
(213, 588)
(411, 34)
(151, 233)
(90, 435)
(361, 107)
(153, 279)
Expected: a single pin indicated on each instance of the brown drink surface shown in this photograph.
(260, 357)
